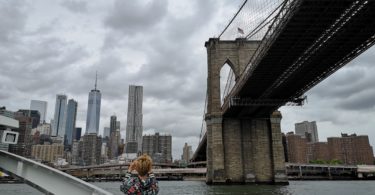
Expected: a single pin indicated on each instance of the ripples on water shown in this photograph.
(198, 187)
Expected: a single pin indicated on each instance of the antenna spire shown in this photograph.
(96, 79)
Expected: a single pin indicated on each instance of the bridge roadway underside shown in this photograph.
(316, 39)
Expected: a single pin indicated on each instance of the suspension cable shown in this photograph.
(230, 22)
(262, 25)
(204, 113)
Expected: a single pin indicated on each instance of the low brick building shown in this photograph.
(351, 149)
(297, 148)
(317, 151)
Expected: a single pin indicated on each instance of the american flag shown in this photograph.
(239, 30)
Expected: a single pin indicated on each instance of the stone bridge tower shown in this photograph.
(239, 150)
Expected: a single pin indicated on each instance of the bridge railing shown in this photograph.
(46, 179)
(285, 13)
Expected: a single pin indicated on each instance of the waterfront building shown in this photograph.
(40, 106)
(351, 149)
(307, 130)
(71, 116)
(318, 151)
(296, 147)
(187, 153)
(58, 128)
(134, 127)
(159, 147)
(47, 152)
(93, 110)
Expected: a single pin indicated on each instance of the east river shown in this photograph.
(199, 187)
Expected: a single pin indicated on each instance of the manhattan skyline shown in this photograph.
(158, 45)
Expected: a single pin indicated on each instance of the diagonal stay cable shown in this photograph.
(230, 22)
(262, 25)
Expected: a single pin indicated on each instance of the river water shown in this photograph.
(199, 187)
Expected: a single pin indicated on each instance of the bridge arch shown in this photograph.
(228, 78)
(236, 54)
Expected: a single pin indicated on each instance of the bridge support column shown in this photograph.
(253, 151)
(215, 150)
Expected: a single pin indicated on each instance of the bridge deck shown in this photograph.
(316, 39)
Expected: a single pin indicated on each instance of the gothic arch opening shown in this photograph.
(227, 81)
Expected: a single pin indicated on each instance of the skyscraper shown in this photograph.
(113, 139)
(59, 118)
(106, 132)
(71, 116)
(34, 114)
(93, 110)
(40, 106)
(77, 133)
(113, 123)
(187, 153)
(307, 130)
(134, 126)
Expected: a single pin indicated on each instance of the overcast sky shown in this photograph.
(55, 47)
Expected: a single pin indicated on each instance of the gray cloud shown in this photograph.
(75, 6)
(132, 17)
(12, 20)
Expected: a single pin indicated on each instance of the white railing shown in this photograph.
(46, 179)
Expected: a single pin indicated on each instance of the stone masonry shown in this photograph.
(239, 150)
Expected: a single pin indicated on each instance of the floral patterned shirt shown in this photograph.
(134, 185)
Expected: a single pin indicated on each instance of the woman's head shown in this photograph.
(144, 165)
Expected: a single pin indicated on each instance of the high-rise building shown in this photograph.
(40, 106)
(93, 110)
(43, 129)
(77, 133)
(75, 152)
(114, 138)
(113, 124)
(134, 126)
(307, 130)
(58, 128)
(71, 116)
(187, 153)
(34, 114)
(118, 125)
(23, 146)
(159, 147)
(91, 146)
(106, 132)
